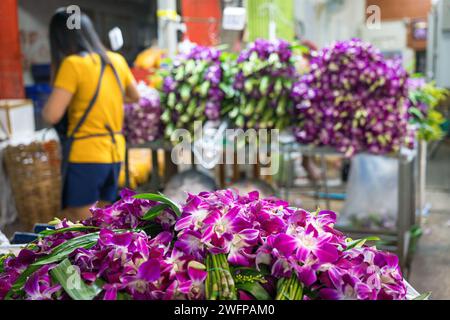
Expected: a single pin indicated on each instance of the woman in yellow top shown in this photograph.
(90, 86)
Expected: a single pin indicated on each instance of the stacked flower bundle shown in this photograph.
(194, 89)
(353, 99)
(142, 120)
(264, 78)
(423, 99)
(219, 245)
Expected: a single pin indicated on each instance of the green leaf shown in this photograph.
(58, 253)
(204, 87)
(228, 90)
(417, 75)
(255, 289)
(240, 121)
(251, 271)
(423, 296)
(49, 232)
(123, 296)
(165, 117)
(233, 113)
(264, 84)
(69, 278)
(299, 47)
(3, 257)
(360, 242)
(416, 112)
(167, 60)
(160, 198)
(61, 251)
(171, 100)
(185, 93)
(154, 211)
(151, 229)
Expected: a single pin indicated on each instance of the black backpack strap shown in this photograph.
(91, 103)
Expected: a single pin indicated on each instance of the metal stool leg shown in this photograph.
(323, 164)
(406, 207)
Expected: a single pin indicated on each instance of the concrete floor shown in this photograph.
(431, 264)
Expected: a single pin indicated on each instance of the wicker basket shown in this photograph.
(35, 175)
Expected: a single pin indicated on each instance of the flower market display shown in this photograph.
(142, 120)
(423, 99)
(346, 96)
(265, 73)
(353, 100)
(217, 246)
(194, 90)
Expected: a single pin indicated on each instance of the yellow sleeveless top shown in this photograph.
(80, 75)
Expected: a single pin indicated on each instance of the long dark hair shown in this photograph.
(65, 41)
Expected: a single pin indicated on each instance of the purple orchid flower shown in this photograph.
(39, 285)
(241, 247)
(140, 283)
(189, 242)
(194, 286)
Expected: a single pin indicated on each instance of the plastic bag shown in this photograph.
(372, 191)
(3, 240)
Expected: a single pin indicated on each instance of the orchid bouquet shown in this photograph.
(142, 120)
(195, 88)
(265, 73)
(218, 245)
(353, 100)
(274, 251)
(423, 99)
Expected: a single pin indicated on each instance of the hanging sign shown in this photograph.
(234, 18)
(115, 38)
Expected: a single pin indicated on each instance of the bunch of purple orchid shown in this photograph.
(353, 99)
(142, 120)
(194, 89)
(265, 73)
(422, 108)
(120, 258)
(300, 249)
(222, 246)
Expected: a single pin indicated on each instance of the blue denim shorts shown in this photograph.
(86, 183)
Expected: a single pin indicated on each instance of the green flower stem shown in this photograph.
(229, 277)
(293, 287)
(289, 289)
(224, 290)
(208, 279)
(218, 276)
(299, 293)
(214, 287)
(219, 283)
(281, 289)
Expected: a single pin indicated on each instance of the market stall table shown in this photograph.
(406, 213)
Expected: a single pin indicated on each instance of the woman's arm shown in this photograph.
(131, 93)
(56, 105)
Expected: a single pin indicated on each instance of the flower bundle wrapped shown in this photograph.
(111, 255)
(353, 100)
(275, 251)
(264, 78)
(423, 99)
(219, 245)
(142, 120)
(194, 90)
